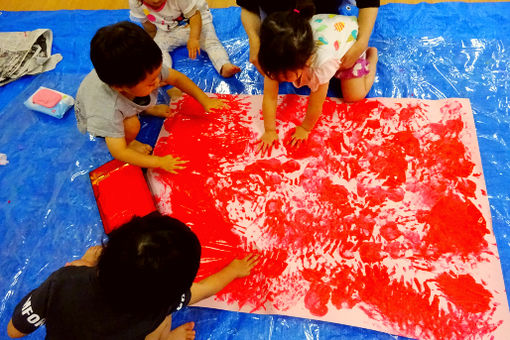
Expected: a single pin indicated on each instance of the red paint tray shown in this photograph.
(121, 193)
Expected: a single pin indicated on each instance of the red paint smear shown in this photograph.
(456, 226)
(331, 216)
(344, 293)
(412, 307)
(450, 153)
(389, 162)
(359, 112)
(465, 292)
(316, 299)
(370, 252)
(407, 141)
(390, 231)
(291, 109)
(406, 113)
(121, 193)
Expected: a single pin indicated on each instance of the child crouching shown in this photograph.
(126, 289)
(124, 83)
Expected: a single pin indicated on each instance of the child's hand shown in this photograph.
(193, 48)
(299, 136)
(214, 104)
(171, 163)
(89, 259)
(160, 110)
(243, 267)
(266, 142)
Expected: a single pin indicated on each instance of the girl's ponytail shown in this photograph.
(305, 8)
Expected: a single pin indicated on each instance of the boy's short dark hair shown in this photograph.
(123, 54)
(148, 263)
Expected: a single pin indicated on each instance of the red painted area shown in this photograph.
(465, 292)
(455, 225)
(121, 193)
(317, 298)
(415, 309)
(376, 191)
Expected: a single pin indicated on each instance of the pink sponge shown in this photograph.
(46, 97)
(51, 102)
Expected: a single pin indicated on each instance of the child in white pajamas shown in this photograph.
(183, 23)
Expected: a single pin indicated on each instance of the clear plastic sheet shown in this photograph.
(48, 214)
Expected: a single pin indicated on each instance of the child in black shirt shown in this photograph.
(126, 289)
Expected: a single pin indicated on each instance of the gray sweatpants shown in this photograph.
(178, 36)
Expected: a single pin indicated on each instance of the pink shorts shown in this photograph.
(359, 69)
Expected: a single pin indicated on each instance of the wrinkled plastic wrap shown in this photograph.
(48, 215)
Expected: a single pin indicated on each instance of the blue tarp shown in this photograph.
(48, 214)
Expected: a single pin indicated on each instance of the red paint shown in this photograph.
(465, 292)
(411, 307)
(448, 154)
(390, 231)
(456, 226)
(121, 193)
(370, 252)
(373, 183)
(316, 299)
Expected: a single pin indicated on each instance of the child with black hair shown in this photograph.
(127, 288)
(306, 49)
(175, 23)
(127, 73)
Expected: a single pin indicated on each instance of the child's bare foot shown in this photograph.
(174, 93)
(183, 332)
(140, 147)
(228, 70)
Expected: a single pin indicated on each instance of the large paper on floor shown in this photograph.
(380, 220)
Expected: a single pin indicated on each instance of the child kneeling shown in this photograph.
(126, 289)
(305, 49)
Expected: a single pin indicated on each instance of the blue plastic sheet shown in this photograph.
(48, 214)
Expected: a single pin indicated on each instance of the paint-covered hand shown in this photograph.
(214, 104)
(160, 110)
(300, 135)
(243, 267)
(268, 139)
(193, 48)
(171, 163)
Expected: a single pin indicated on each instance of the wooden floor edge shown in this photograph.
(55, 5)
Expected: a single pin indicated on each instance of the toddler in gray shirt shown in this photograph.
(127, 73)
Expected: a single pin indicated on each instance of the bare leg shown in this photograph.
(131, 129)
(372, 58)
(355, 89)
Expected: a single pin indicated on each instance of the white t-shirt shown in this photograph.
(170, 13)
(333, 35)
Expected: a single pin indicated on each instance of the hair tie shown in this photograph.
(296, 10)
